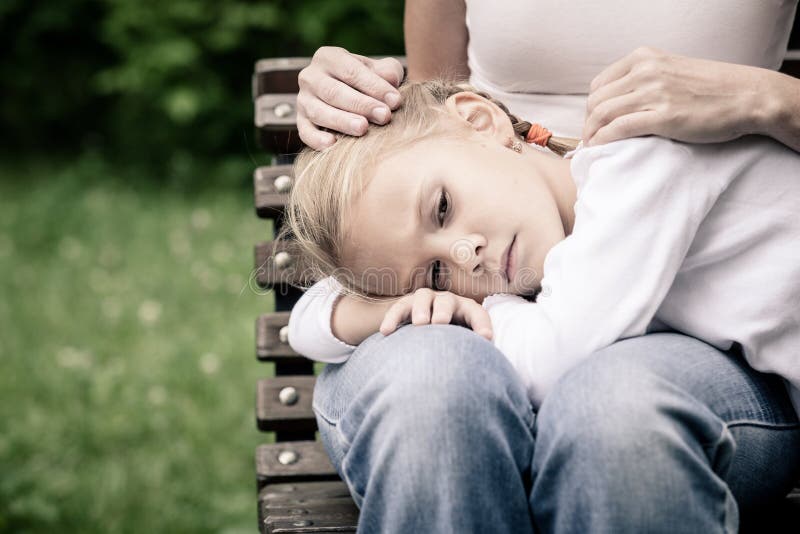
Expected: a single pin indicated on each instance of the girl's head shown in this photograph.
(434, 199)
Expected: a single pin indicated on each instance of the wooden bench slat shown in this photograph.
(272, 345)
(294, 491)
(270, 271)
(309, 511)
(278, 75)
(303, 500)
(271, 186)
(284, 403)
(310, 463)
(342, 519)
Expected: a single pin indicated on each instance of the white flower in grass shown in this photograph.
(235, 283)
(149, 312)
(111, 308)
(179, 244)
(109, 256)
(100, 281)
(221, 252)
(157, 395)
(209, 363)
(6, 246)
(201, 219)
(74, 358)
(70, 248)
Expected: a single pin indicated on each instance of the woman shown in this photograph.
(385, 414)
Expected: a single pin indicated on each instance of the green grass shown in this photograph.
(126, 344)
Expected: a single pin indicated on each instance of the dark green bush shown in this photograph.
(145, 80)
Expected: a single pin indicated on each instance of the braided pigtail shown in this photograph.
(530, 132)
(534, 133)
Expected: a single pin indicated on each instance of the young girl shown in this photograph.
(447, 206)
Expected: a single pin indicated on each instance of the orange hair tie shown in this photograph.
(538, 134)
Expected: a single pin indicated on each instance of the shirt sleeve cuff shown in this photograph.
(330, 303)
(501, 298)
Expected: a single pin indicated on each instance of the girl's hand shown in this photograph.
(683, 98)
(426, 306)
(342, 91)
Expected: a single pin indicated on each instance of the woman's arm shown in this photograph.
(436, 39)
(692, 100)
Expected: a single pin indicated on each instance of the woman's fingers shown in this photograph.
(609, 109)
(625, 126)
(392, 71)
(340, 96)
(622, 67)
(341, 91)
(311, 135)
(321, 114)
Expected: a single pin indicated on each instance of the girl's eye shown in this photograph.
(441, 213)
(443, 205)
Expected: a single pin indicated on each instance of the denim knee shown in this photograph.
(433, 377)
(612, 406)
(636, 447)
(419, 388)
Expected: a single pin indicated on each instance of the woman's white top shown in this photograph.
(704, 239)
(540, 56)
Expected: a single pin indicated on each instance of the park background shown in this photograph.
(126, 232)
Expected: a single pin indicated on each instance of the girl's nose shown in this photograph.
(467, 252)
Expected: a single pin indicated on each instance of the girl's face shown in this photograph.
(444, 213)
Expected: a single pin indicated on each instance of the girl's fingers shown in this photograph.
(421, 307)
(477, 318)
(444, 306)
(394, 316)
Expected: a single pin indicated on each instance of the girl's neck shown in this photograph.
(556, 173)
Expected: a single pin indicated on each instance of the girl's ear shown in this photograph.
(481, 115)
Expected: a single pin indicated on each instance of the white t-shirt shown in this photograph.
(704, 239)
(539, 56)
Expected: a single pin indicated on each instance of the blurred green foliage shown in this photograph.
(145, 80)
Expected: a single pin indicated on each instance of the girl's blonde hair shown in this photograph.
(328, 182)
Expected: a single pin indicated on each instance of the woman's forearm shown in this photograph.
(354, 320)
(436, 39)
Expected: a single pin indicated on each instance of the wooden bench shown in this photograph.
(298, 488)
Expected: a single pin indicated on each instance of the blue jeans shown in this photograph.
(432, 431)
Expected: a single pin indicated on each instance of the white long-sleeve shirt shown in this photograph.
(704, 239)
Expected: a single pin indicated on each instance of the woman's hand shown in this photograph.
(341, 91)
(426, 306)
(687, 99)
